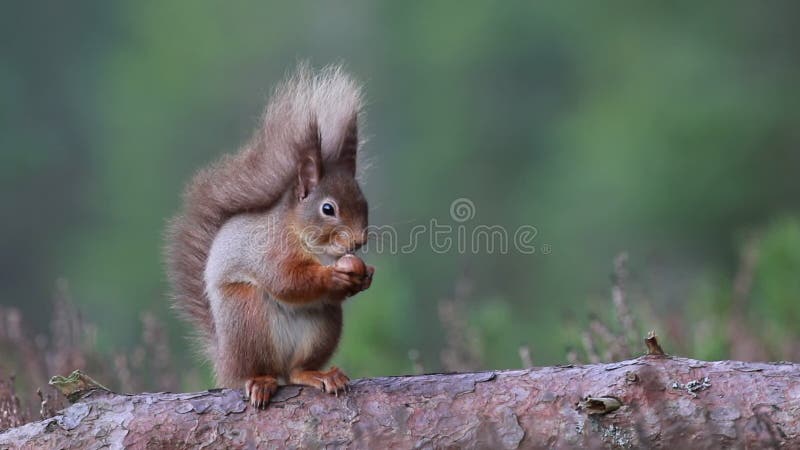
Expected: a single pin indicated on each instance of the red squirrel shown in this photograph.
(260, 258)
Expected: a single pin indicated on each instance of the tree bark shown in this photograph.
(649, 402)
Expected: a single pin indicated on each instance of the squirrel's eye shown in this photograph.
(328, 209)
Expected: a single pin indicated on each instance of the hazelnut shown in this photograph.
(351, 264)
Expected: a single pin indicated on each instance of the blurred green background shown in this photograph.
(667, 130)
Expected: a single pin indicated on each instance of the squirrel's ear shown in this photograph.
(308, 175)
(347, 153)
(309, 169)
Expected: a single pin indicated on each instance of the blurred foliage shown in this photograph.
(669, 131)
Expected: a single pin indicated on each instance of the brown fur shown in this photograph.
(241, 290)
(310, 118)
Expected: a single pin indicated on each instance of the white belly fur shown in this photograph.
(294, 331)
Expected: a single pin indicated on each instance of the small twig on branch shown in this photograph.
(525, 356)
(653, 347)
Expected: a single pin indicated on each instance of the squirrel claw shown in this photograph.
(259, 390)
(331, 381)
(349, 284)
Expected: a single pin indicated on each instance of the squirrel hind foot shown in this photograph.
(332, 381)
(259, 390)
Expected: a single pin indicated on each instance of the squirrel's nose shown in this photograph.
(358, 241)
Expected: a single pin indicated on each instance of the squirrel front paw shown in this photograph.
(350, 275)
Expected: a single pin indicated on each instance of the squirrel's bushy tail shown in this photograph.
(307, 107)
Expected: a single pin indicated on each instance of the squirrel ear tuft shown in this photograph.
(349, 148)
(309, 169)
